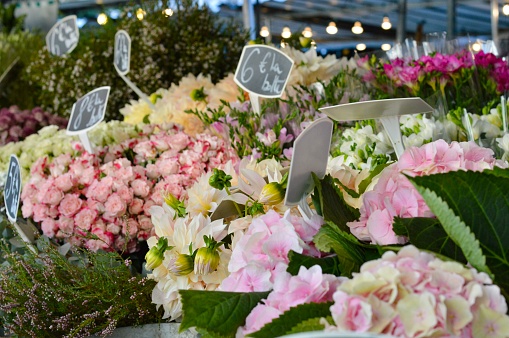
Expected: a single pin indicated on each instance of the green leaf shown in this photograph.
(219, 313)
(350, 253)
(367, 181)
(329, 265)
(293, 317)
(309, 325)
(447, 204)
(481, 201)
(428, 234)
(332, 203)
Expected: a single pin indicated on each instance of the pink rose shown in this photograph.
(40, 212)
(136, 206)
(113, 228)
(27, 209)
(53, 196)
(125, 193)
(145, 149)
(64, 182)
(115, 206)
(66, 227)
(49, 227)
(85, 218)
(70, 205)
(130, 227)
(145, 223)
(153, 171)
(178, 141)
(168, 166)
(100, 190)
(140, 188)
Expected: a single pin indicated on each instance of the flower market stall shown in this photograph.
(235, 201)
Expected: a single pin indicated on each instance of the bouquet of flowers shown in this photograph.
(16, 124)
(102, 200)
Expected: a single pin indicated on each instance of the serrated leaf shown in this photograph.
(428, 234)
(291, 318)
(329, 265)
(332, 204)
(219, 313)
(351, 254)
(456, 229)
(480, 200)
(309, 325)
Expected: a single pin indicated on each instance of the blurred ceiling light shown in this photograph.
(386, 23)
(140, 14)
(386, 47)
(287, 33)
(505, 9)
(264, 31)
(360, 47)
(167, 12)
(357, 28)
(102, 19)
(307, 33)
(476, 47)
(331, 28)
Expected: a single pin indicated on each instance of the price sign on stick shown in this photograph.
(122, 52)
(122, 61)
(88, 112)
(63, 36)
(263, 71)
(12, 189)
(388, 111)
(310, 155)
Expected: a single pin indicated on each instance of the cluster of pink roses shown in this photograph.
(394, 195)
(414, 294)
(261, 254)
(102, 200)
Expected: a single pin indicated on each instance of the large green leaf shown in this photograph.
(331, 203)
(428, 234)
(481, 201)
(351, 254)
(309, 325)
(329, 265)
(219, 313)
(296, 316)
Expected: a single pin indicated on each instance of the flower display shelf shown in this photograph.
(152, 331)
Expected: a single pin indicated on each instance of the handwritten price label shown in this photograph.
(12, 189)
(122, 52)
(263, 70)
(63, 36)
(88, 111)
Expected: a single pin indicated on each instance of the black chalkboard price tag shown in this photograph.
(88, 111)
(12, 189)
(122, 52)
(263, 71)
(63, 36)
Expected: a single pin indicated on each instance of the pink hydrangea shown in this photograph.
(414, 294)
(394, 195)
(102, 200)
(262, 252)
(309, 286)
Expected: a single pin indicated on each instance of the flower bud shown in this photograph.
(207, 258)
(182, 265)
(272, 194)
(175, 204)
(198, 94)
(154, 97)
(155, 255)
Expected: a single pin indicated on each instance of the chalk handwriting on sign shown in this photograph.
(63, 36)
(122, 53)
(263, 70)
(88, 111)
(12, 189)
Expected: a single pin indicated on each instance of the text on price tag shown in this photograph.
(88, 111)
(63, 36)
(12, 189)
(263, 70)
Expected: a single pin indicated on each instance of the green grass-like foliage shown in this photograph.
(47, 295)
(219, 313)
(473, 208)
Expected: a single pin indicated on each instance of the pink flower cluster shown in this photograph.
(394, 195)
(109, 194)
(262, 253)
(414, 294)
(497, 67)
(309, 286)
